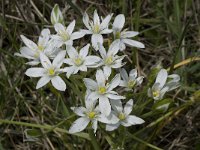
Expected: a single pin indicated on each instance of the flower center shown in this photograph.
(64, 35)
(51, 71)
(36, 55)
(96, 28)
(131, 84)
(117, 35)
(109, 60)
(91, 115)
(102, 90)
(156, 93)
(121, 116)
(78, 61)
(41, 47)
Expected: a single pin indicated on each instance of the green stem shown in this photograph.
(93, 140)
(47, 127)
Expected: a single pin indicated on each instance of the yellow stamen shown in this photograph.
(96, 28)
(41, 47)
(102, 90)
(131, 84)
(78, 61)
(121, 116)
(117, 35)
(65, 36)
(51, 71)
(91, 115)
(156, 93)
(109, 60)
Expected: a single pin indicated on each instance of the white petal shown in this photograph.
(58, 60)
(92, 60)
(83, 68)
(115, 82)
(94, 125)
(58, 83)
(96, 39)
(116, 105)
(128, 107)
(133, 74)
(163, 91)
(115, 97)
(100, 77)
(27, 52)
(69, 70)
(111, 127)
(106, 31)
(86, 31)
(33, 63)
(161, 78)
(35, 72)
(68, 61)
(113, 49)
(129, 34)
(119, 22)
(45, 60)
(139, 80)
(134, 120)
(72, 52)
(105, 21)
(104, 106)
(107, 71)
(90, 84)
(102, 51)
(93, 96)
(84, 51)
(124, 74)
(30, 44)
(59, 28)
(79, 125)
(70, 27)
(77, 35)
(96, 18)
(80, 111)
(111, 119)
(122, 46)
(43, 81)
(133, 43)
(86, 20)
(68, 43)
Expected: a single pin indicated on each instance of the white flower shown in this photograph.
(110, 59)
(130, 81)
(96, 28)
(56, 15)
(103, 90)
(49, 72)
(161, 85)
(88, 114)
(32, 50)
(66, 35)
(79, 61)
(122, 38)
(123, 114)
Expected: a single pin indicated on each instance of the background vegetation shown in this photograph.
(39, 119)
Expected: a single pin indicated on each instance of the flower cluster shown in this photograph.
(54, 54)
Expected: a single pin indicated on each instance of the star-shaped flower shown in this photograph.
(80, 61)
(122, 38)
(96, 28)
(32, 50)
(161, 85)
(110, 59)
(103, 90)
(131, 80)
(123, 114)
(66, 35)
(49, 72)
